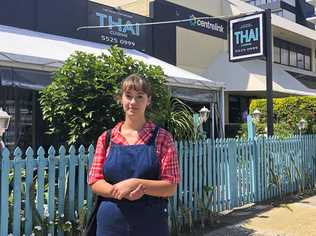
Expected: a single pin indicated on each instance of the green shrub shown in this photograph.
(80, 102)
(287, 112)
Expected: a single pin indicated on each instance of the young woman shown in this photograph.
(137, 172)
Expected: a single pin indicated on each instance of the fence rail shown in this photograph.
(50, 188)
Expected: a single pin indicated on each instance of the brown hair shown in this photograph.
(137, 83)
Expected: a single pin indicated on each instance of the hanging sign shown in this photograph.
(246, 36)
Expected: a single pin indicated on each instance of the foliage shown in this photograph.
(61, 222)
(287, 113)
(204, 206)
(80, 102)
(281, 130)
(179, 120)
(293, 173)
(182, 220)
(276, 179)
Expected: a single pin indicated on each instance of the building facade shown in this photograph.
(206, 53)
(199, 46)
(35, 42)
(21, 77)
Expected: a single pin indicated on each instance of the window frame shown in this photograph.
(293, 51)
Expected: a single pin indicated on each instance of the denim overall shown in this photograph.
(144, 217)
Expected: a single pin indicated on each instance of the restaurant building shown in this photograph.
(200, 46)
(38, 36)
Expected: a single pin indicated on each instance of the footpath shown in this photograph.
(289, 219)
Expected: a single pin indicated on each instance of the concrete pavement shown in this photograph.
(292, 219)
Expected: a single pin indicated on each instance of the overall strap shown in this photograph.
(91, 225)
(108, 138)
(153, 137)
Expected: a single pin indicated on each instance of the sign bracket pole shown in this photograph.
(269, 89)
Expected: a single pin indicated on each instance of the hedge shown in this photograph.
(287, 112)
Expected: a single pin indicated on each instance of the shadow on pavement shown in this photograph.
(243, 214)
(230, 223)
(232, 231)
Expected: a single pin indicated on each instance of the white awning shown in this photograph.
(250, 76)
(50, 51)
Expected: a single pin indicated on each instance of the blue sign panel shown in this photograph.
(246, 37)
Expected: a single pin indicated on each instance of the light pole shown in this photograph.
(301, 125)
(4, 124)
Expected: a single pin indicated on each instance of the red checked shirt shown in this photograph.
(165, 150)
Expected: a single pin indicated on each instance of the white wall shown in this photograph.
(195, 51)
(211, 7)
(140, 7)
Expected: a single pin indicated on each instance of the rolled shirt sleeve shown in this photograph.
(96, 170)
(169, 164)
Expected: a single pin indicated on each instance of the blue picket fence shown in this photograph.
(48, 187)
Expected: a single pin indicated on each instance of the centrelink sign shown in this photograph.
(199, 22)
(246, 36)
(207, 24)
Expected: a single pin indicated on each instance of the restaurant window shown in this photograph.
(25, 126)
(19, 97)
(307, 62)
(293, 59)
(284, 56)
(19, 105)
(238, 106)
(300, 61)
(260, 2)
(276, 53)
(292, 54)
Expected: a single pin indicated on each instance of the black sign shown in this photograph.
(246, 37)
(123, 28)
(201, 23)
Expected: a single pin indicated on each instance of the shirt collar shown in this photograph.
(148, 127)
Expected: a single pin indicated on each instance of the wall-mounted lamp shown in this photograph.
(301, 125)
(256, 115)
(204, 114)
(198, 120)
